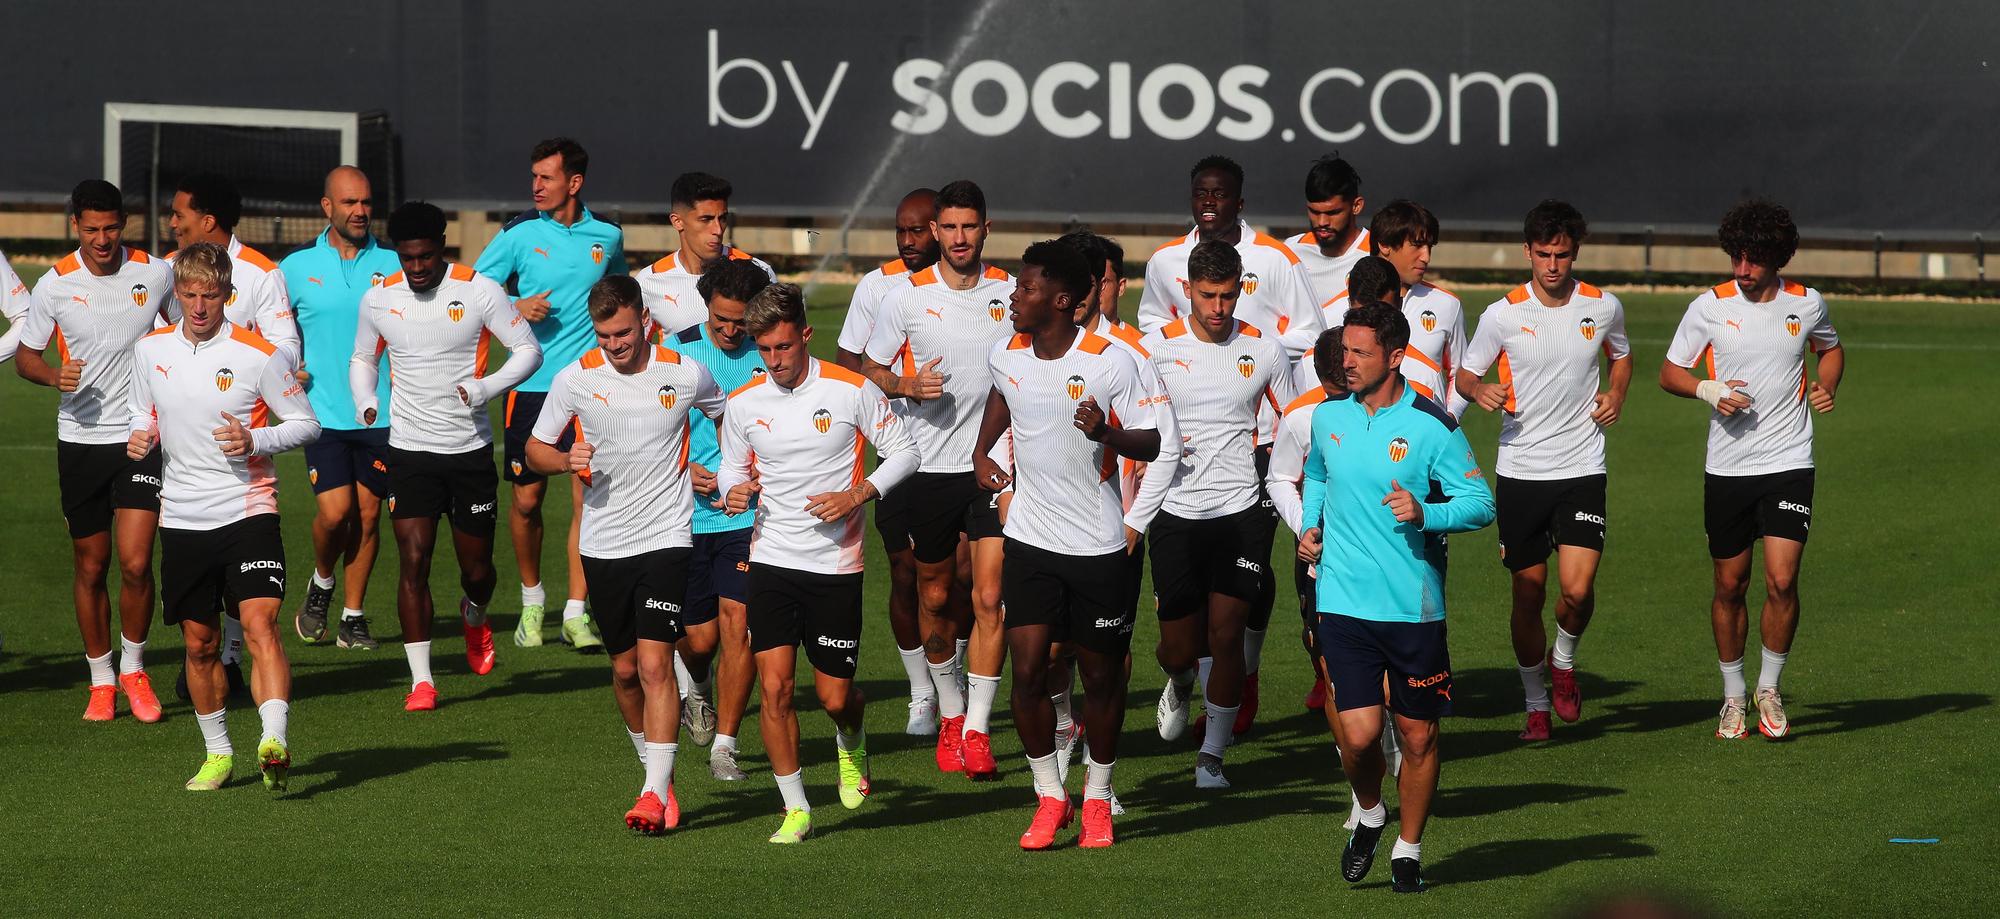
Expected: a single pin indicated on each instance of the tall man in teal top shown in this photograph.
(1388, 475)
(348, 465)
(547, 258)
(718, 574)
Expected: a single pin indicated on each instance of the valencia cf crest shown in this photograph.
(392, 504)
(376, 279)
(1398, 449)
(312, 474)
(455, 309)
(1792, 324)
(667, 397)
(597, 253)
(1430, 320)
(1074, 386)
(1246, 365)
(224, 379)
(139, 294)
(513, 466)
(1249, 283)
(822, 421)
(1589, 328)
(996, 309)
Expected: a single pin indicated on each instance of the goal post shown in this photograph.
(116, 114)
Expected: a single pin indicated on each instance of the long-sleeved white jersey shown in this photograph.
(1219, 391)
(1437, 345)
(1284, 480)
(260, 302)
(97, 321)
(437, 343)
(667, 288)
(805, 441)
(183, 393)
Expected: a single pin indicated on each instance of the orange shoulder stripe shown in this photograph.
(137, 255)
(926, 276)
(1520, 294)
(1307, 399)
(462, 272)
(67, 264)
(1248, 329)
(1724, 290)
(664, 265)
(254, 340)
(1093, 343)
(591, 359)
(995, 273)
(1019, 341)
(664, 353)
(393, 280)
(895, 267)
(1169, 244)
(738, 255)
(1589, 291)
(1795, 288)
(755, 381)
(1174, 329)
(163, 330)
(837, 372)
(1272, 243)
(256, 258)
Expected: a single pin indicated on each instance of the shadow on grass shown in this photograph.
(344, 769)
(1513, 858)
(1861, 714)
(1487, 800)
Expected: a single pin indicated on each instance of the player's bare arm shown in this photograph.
(991, 477)
(1141, 445)
(1611, 402)
(1725, 396)
(1832, 363)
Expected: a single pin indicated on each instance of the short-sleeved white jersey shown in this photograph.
(184, 391)
(668, 290)
(805, 441)
(1764, 345)
(866, 304)
(636, 494)
(1066, 487)
(1327, 274)
(1219, 391)
(1144, 485)
(97, 321)
(928, 320)
(261, 302)
(437, 342)
(1437, 345)
(1548, 359)
(1277, 295)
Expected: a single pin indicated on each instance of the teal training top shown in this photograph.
(534, 253)
(326, 299)
(731, 370)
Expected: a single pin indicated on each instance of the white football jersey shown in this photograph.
(1285, 478)
(1144, 485)
(1277, 296)
(806, 441)
(260, 302)
(866, 304)
(927, 320)
(183, 393)
(1066, 487)
(1547, 358)
(636, 494)
(668, 290)
(1437, 345)
(437, 343)
(14, 300)
(1764, 345)
(1219, 391)
(1327, 274)
(97, 321)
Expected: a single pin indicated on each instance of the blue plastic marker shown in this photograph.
(1902, 840)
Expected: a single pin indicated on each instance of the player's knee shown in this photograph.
(90, 568)
(1730, 586)
(527, 506)
(1782, 585)
(625, 672)
(934, 593)
(654, 674)
(204, 651)
(1418, 740)
(986, 602)
(835, 698)
(135, 573)
(1578, 598)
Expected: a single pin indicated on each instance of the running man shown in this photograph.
(1380, 550)
(940, 329)
(1752, 334)
(435, 321)
(1546, 337)
(1334, 239)
(699, 211)
(916, 250)
(1211, 545)
(629, 403)
(1403, 232)
(1372, 278)
(549, 256)
(1076, 406)
(1285, 480)
(804, 422)
(348, 466)
(93, 306)
(205, 401)
(718, 579)
(206, 209)
(14, 300)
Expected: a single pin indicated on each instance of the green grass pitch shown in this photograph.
(508, 799)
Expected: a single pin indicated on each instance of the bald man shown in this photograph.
(348, 464)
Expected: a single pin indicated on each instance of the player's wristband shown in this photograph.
(1712, 392)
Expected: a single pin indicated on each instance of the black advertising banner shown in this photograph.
(1862, 118)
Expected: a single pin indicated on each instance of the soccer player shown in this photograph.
(550, 255)
(205, 400)
(93, 306)
(14, 299)
(1335, 238)
(630, 402)
(348, 466)
(699, 212)
(1380, 550)
(1403, 232)
(1076, 406)
(804, 421)
(1752, 334)
(1546, 336)
(940, 328)
(718, 577)
(1211, 543)
(206, 209)
(435, 321)
(1371, 279)
(916, 250)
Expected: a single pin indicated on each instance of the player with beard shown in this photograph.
(1335, 239)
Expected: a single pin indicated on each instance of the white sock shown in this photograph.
(1732, 679)
(1774, 666)
(101, 673)
(1405, 849)
(979, 707)
(920, 676)
(958, 648)
(793, 787)
(473, 613)
(1253, 650)
(232, 639)
(1048, 782)
(348, 614)
(638, 739)
(1097, 779)
(276, 715)
(850, 742)
(1060, 701)
(944, 682)
(419, 655)
(1353, 812)
(215, 730)
(132, 655)
(534, 596)
(722, 742)
(1532, 688)
(683, 680)
(659, 767)
(1374, 816)
(1181, 680)
(1565, 653)
(1221, 721)
(1202, 667)
(574, 609)
(323, 582)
